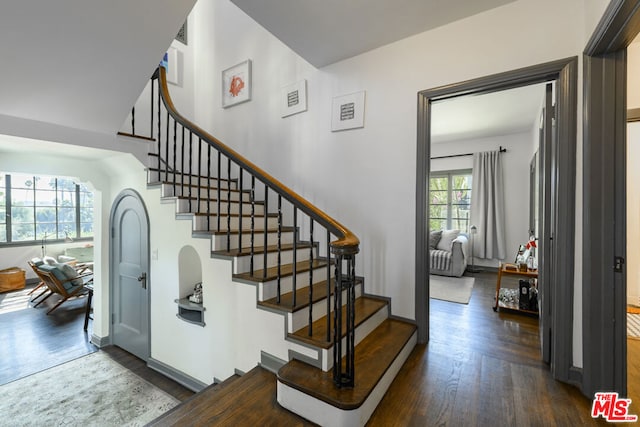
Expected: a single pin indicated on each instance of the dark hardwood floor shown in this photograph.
(32, 341)
(479, 368)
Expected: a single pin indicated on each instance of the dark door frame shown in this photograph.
(564, 72)
(604, 192)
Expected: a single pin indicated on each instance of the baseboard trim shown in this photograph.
(176, 375)
(270, 362)
(100, 341)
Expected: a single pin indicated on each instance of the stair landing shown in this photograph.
(377, 359)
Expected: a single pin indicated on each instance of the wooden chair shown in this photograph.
(33, 265)
(59, 283)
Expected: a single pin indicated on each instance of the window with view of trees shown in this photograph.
(37, 207)
(450, 200)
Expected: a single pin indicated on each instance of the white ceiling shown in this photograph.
(82, 63)
(492, 114)
(327, 31)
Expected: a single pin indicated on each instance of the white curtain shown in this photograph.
(487, 206)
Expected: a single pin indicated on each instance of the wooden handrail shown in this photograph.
(347, 242)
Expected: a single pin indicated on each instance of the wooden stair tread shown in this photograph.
(204, 199)
(365, 307)
(233, 215)
(373, 356)
(246, 232)
(202, 186)
(257, 250)
(192, 175)
(247, 400)
(302, 297)
(272, 272)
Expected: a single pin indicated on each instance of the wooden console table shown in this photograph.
(512, 270)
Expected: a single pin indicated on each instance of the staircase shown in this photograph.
(344, 346)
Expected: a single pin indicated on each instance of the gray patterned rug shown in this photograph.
(89, 391)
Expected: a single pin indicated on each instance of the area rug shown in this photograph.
(92, 390)
(453, 289)
(633, 325)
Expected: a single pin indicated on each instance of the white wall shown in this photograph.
(362, 176)
(515, 164)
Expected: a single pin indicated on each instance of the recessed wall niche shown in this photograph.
(190, 295)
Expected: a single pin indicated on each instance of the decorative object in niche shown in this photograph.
(197, 294)
(348, 112)
(236, 84)
(294, 98)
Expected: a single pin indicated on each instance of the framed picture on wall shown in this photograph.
(294, 98)
(236, 84)
(347, 112)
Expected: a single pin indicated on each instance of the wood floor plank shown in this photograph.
(501, 381)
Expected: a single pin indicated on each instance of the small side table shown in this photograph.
(87, 314)
(512, 270)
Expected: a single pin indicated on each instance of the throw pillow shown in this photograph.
(446, 241)
(50, 260)
(434, 238)
(71, 273)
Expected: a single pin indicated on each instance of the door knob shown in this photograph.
(143, 280)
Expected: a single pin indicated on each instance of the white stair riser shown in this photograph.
(219, 242)
(269, 289)
(300, 318)
(167, 190)
(154, 176)
(200, 223)
(243, 264)
(182, 206)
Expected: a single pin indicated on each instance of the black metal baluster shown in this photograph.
(295, 253)
(208, 187)
(175, 151)
(182, 161)
(198, 198)
(218, 212)
(241, 185)
(279, 242)
(253, 223)
(191, 165)
(311, 277)
(151, 121)
(133, 121)
(328, 287)
(228, 204)
(337, 323)
(264, 243)
(166, 152)
(351, 318)
(159, 133)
